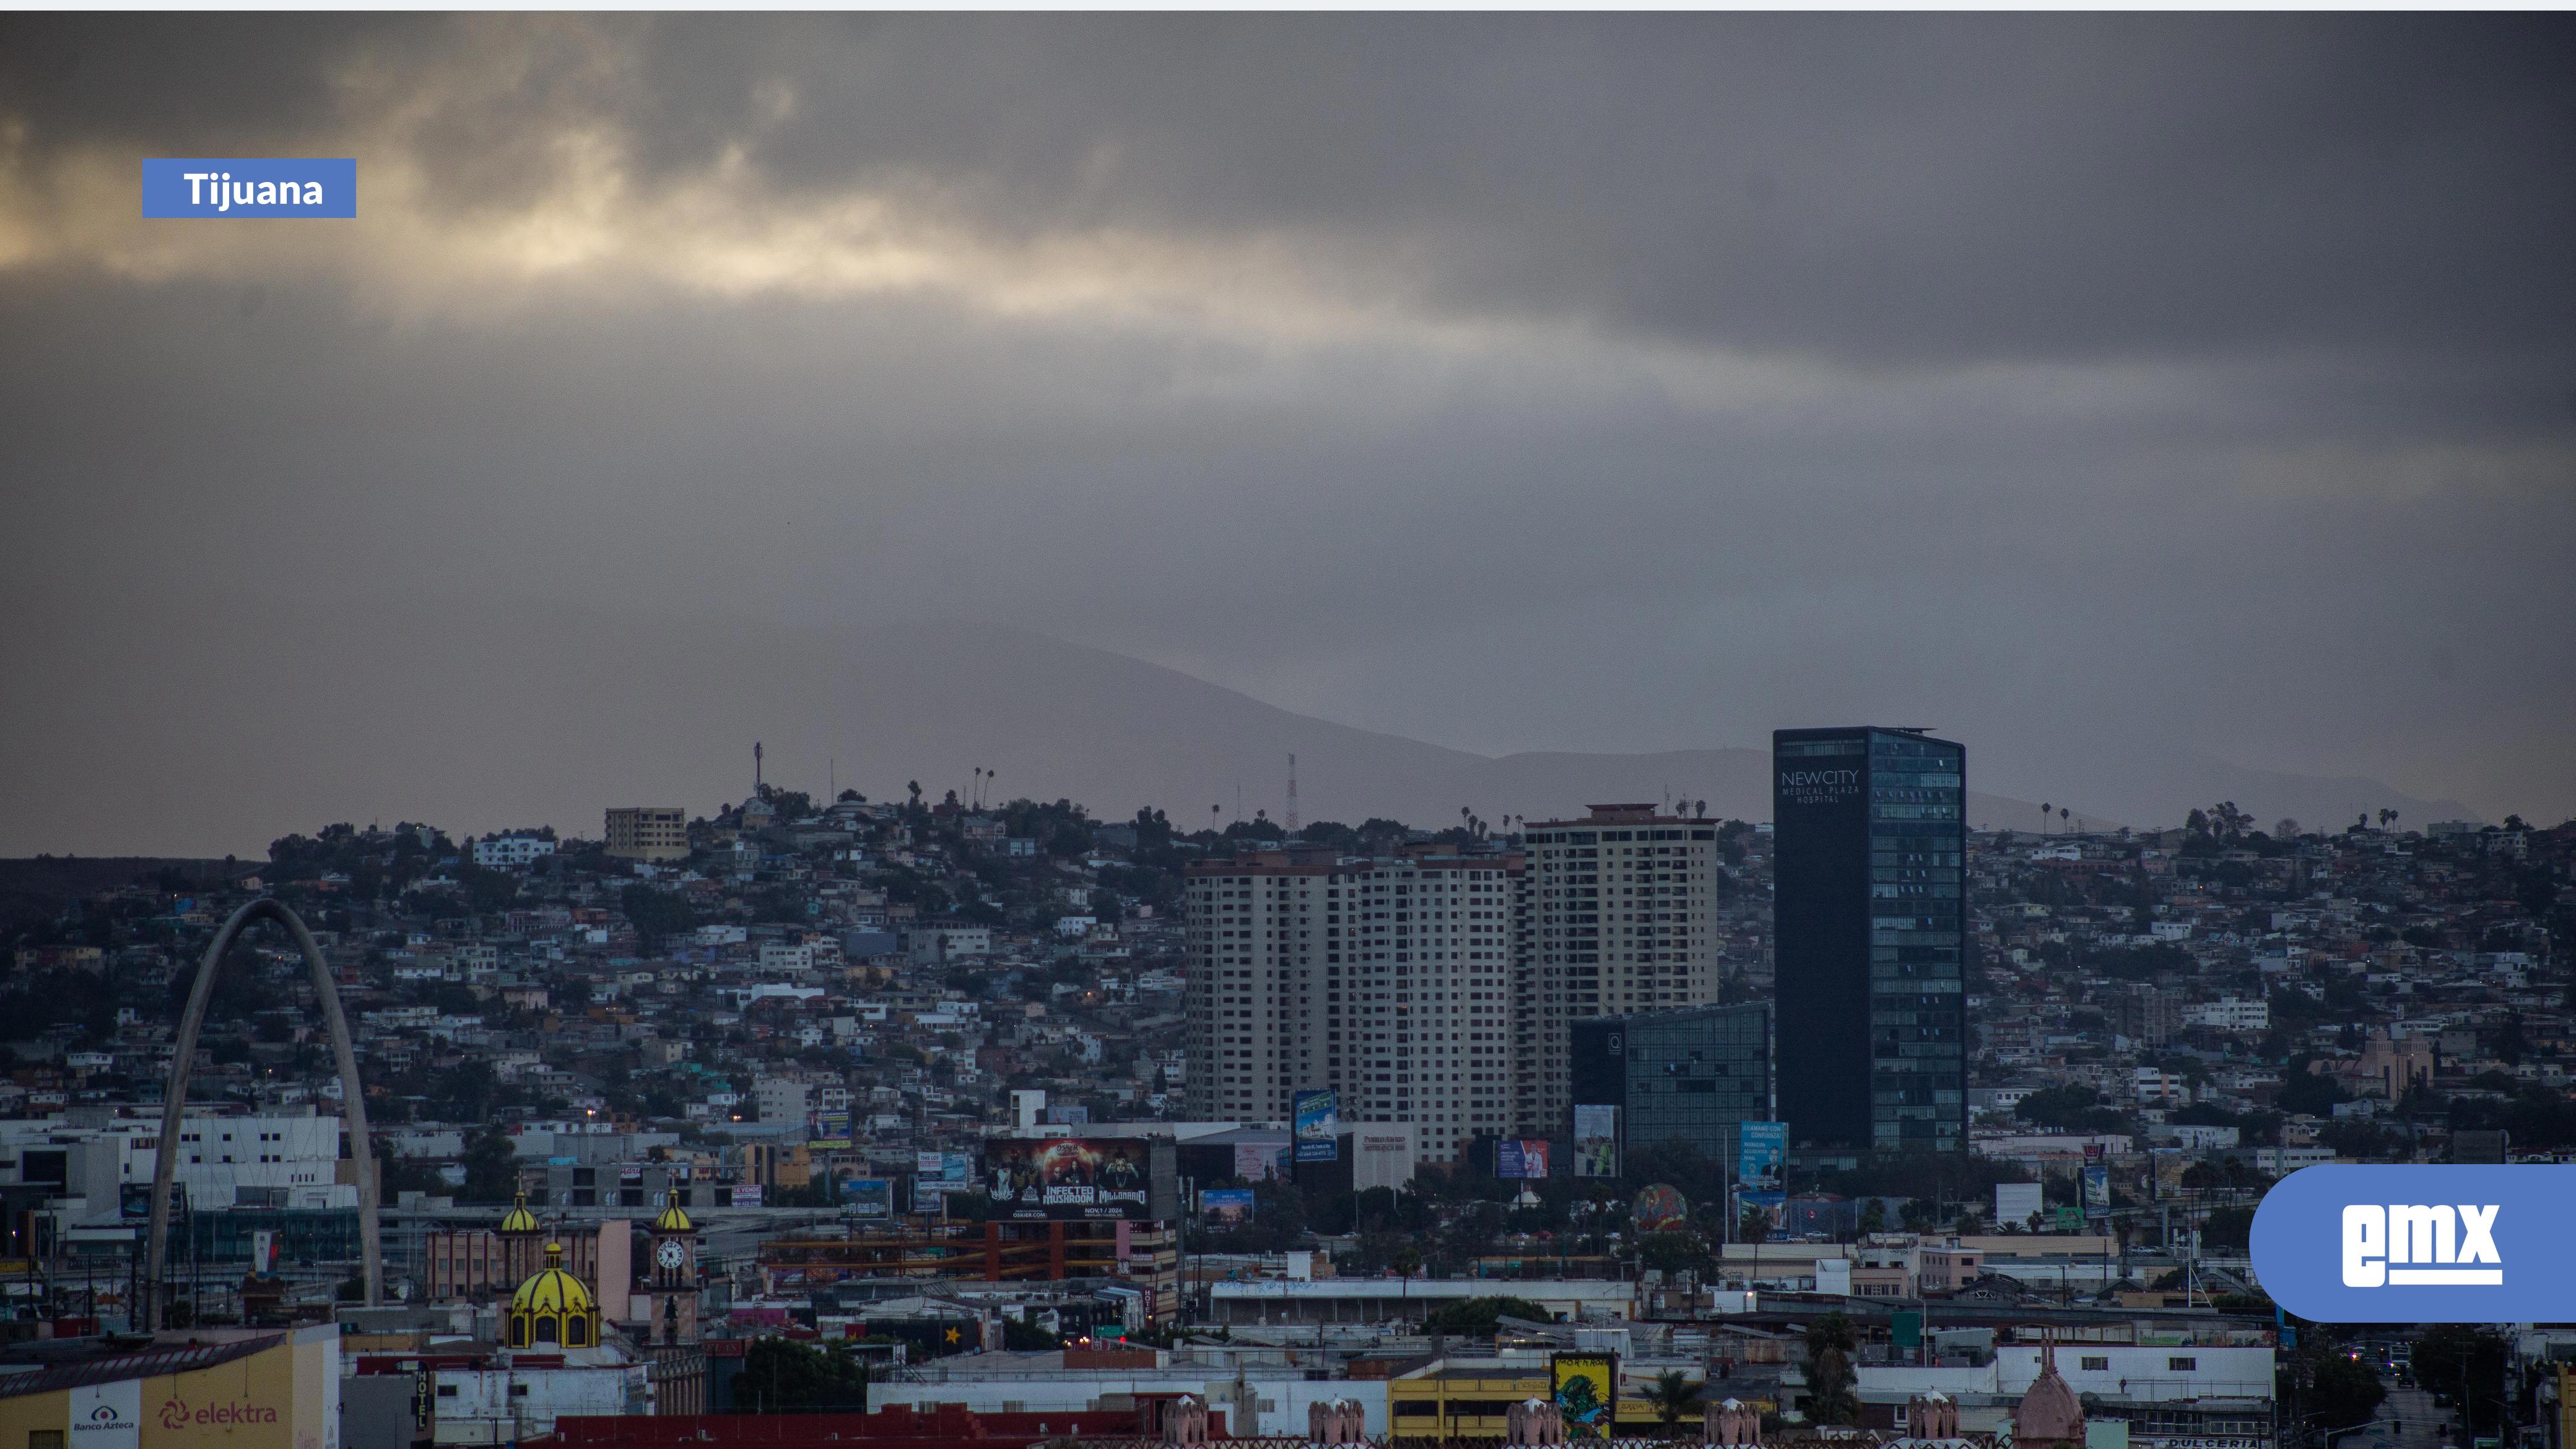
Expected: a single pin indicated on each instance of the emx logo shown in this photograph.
(2419, 1243)
(2435, 1243)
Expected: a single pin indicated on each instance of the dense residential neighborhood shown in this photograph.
(749, 1075)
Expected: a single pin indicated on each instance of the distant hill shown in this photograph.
(32, 891)
(214, 733)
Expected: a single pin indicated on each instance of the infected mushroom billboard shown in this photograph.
(1080, 1179)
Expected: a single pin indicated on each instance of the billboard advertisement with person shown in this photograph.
(1070, 1178)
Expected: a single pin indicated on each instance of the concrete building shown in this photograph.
(1622, 918)
(2150, 1015)
(648, 832)
(509, 852)
(781, 1099)
(268, 1161)
(2230, 1014)
(1390, 981)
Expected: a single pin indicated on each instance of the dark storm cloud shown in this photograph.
(1873, 188)
(2091, 386)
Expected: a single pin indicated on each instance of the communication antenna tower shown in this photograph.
(1292, 794)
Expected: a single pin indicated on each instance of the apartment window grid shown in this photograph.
(1622, 919)
(1391, 982)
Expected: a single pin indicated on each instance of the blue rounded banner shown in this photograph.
(2419, 1244)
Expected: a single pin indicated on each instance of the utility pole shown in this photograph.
(1292, 796)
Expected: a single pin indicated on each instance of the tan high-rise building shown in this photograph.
(1622, 918)
(1387, 980)
(648, 832)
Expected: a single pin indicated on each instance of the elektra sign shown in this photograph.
(244, 187)
(2418, 1244)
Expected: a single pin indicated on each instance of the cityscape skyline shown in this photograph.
(1208, 730)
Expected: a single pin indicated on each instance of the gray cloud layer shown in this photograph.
(2089, 386)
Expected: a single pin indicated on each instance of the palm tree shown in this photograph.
(1830, 1399)
(2387, 818)
(2043, 817)
(1673, 1396)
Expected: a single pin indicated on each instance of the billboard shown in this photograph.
(745, 1194)
(2016, 1201)
(831, 1130)
(134, 1199)
(1258, 1161)
(942, 1171)
(1225, 1207)
(867, 1197)
(1078, 1178)
(1596, 1141)
(1760, 1149)
(2097, 1187)
(1520, 1157)
(1318, 1125)
(1586, 1389)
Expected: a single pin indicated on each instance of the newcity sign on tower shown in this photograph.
(2419, 1243)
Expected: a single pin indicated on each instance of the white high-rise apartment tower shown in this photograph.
(1388, 980)
(1622, 919)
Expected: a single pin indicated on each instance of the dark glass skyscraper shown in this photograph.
(1869, 938)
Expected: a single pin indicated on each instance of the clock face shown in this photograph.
(671, 1255)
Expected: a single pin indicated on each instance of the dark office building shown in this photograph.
(1870, 865)
(1677, 1076)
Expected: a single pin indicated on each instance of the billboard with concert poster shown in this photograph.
(1080, 1178)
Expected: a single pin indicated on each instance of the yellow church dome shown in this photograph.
(519, 1219)
(673, 1220)
(554, 1308)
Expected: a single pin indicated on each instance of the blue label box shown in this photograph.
(225, 188)
(2419, 1243)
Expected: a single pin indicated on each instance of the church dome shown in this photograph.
(2049, 1412)
(554, 1308)
(519, 1219)
(673, 1220)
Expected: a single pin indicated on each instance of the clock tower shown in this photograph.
(672, 1279)
(664, 1321)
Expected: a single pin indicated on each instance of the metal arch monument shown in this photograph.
(353, 1104)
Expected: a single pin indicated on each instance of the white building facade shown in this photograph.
(508, 852)
(1388, 981)
(1622, 918)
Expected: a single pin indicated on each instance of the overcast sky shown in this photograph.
(2082, 385)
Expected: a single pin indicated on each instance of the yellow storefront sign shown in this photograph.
(237, 1391)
